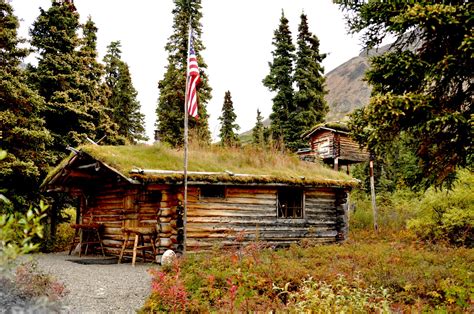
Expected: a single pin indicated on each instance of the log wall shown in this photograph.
(244, 215)
(349, 150)
(251, 214)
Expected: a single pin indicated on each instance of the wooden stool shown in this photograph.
(140, 233)
(86, 234)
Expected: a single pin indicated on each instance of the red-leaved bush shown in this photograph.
(169, 293)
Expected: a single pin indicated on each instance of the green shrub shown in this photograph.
(338, 297)
(394, 209)
(18, 232)
(447, 216)
(64, 233)
(433, 215)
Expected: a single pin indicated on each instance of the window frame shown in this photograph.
(205, 197)
(288, 192)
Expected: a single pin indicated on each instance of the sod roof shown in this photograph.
(213, 164)
(334, 125)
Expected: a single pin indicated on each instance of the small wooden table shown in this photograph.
(139, 238)
(86, 234)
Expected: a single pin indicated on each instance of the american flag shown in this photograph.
(193, 80)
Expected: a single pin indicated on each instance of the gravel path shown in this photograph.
(112, 288)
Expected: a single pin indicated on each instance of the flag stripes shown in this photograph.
(193, 80)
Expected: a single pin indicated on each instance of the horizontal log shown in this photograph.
(315, 213)
(113, 232)
(247, 195)
(323, 208)
(116, 194)
(161, 187)
(112, 243)
(196, 245)
(281, 230)
(165, 242)
(230, 207)
(164, 212)
(167, 219)
(229, 213)
(107, 206)
(117, 237)
(238, 219)
(104, 219)
(251, 191)
(165, 228)
(320, 216)
(236, 201)
(165, 234)
(320, 201)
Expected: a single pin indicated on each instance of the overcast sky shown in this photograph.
(237, 35)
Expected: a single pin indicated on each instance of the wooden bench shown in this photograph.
(86, 234)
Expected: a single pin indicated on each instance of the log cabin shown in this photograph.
(331, 143)
(233, 195)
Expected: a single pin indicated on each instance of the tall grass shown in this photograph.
(247, 160)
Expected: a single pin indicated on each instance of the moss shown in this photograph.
(336, 125)
(56, 169)
(262, 166)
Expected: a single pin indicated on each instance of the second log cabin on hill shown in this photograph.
(331, 143)
(233, 194)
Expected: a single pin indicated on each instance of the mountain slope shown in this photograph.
(347, 90)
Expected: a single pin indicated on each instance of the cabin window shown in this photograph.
(290, 203)
(152, 196)
(212, 191)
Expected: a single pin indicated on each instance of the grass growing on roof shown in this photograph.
(278, 167)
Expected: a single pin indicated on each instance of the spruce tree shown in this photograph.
(228, 130)
(258, 131)
(97, 92)
(59, 77)
(309, 103)
(123, 98)
(22, 131)
(280, 80)
(170, 109)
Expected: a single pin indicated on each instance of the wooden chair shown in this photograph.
(131, 226)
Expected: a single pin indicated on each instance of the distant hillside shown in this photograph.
(347, 90)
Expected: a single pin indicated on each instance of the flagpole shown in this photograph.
(185, 200)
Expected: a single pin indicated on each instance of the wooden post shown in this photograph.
(372, 194)
(336, 163)
(348, 210)
(79, 209)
